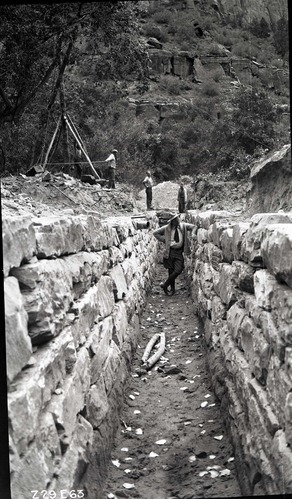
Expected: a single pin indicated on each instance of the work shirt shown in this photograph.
(111, 160)
(176, 244)
(148, 182)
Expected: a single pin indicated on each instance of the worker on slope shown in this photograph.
(112, 163)
(182, 198)
(148, 183)
(175, 237)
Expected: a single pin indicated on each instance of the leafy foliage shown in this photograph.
(38, 42)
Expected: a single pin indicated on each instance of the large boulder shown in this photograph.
(271, 182)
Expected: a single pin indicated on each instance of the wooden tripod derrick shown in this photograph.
(65, 119)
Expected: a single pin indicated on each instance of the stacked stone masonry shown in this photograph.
(74, 290)
(242, 290)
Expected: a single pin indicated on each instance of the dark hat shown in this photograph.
(173, 217)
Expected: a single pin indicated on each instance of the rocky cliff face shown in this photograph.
(247, 10)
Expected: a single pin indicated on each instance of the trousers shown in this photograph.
(175, 265)
(149, 197)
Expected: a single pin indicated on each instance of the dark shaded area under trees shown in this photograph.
(37, 43)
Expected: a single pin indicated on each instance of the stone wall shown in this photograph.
(74, 289)
(241, 285)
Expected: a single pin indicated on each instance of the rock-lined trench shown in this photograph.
(172, 404)
(75, 289)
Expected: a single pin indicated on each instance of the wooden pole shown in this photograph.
(79, 142)
(51, 144)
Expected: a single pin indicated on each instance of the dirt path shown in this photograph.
(165, 405)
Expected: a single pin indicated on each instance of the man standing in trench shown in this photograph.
(175, 237)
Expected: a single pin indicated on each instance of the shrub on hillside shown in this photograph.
(170, 84)
(261, 28)
(210, 88)
(216, 74)
(162, 17)
(151, 30)
(281, 37)
(254, 118)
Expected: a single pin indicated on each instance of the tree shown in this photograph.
(36, 40)
(260, 28)
(281, 37)
(38, 43)
(253, 120)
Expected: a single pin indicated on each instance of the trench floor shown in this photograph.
(168, 445)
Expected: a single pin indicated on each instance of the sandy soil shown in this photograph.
(194, 458)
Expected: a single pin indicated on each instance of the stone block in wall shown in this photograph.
(76, 457)
(47, 293)
(47, 439)
(245, 275)
(18, 241)
(206, 274)
(260, 355)
(282, 460)
(234, 317)
(34, 388)
(18, 342)
(226, 244)
(264, 321)
(288, 362)
(94, 305)
(127, 247)
(281, 305)
(97, 403)
(206, 218)
(106, 302)
(120, 322)
(264, 284)
(108, 236)
(24, 405)
(66, 405)
(133, 298)
(99, 343)
(288, 418)
(225, 288)
(252, 240)
(239, 230)
(213, 255)
(277, 388)
(277, 249)
(120, 287)
(57, 236)
(202, 236)
(259, 393)
(115, 256)
(216, 231)
(111, 366)
(218, 310)
(31, 474)
(123, 226)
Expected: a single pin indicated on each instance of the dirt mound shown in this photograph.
(44, 195)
